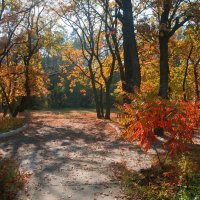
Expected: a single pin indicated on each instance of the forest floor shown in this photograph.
(69, 156)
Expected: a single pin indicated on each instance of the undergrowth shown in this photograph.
(9, 123)
(178, 180)
(12, 179)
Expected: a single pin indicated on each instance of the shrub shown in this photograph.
(149, 117)
(11, 179)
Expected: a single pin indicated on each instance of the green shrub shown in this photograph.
(189, 185)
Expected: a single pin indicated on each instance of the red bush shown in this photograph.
(177, 119)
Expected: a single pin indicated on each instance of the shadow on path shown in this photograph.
(69, 158)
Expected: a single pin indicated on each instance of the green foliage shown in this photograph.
(189, 186)
(192, 194)
(11, 179)
(9, 123)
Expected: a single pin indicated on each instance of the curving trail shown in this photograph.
(69, 156)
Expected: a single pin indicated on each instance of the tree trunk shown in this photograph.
(107, 116)
(120, 64)
(101, 102)
(97, 104)
(196, 79)
(164, 67)
(131, 59)
(186, 73)
(27, 86)
(20, 107)
(164, 50)
(96, 98)
(4, 106)
(24, 104)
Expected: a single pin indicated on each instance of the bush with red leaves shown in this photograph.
(177, 119)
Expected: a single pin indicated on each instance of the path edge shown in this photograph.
(117, 129)
(13, 132)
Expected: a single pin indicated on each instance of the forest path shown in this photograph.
(69, 156)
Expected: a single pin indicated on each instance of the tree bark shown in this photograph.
(186, 73)
(164, 50)
(97, 104)
(196, 80)
(107, 115)
(131, 58)
(101, 101)
(165, 32)
(184, 83)
(164, 67)
(119, 60)
(96, 98)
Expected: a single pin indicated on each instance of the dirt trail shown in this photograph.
(69, 157)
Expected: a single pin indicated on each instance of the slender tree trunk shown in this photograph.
(184, 83)
(101, 101)
(107, 116)
(27, 85)
(96, 98)
(196, 80)
(164, 67)
(119, 61)
(186, 73)
(131, 59)
(97, 104)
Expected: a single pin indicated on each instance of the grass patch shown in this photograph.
(9, 123)
(178, 180)
(11, 179)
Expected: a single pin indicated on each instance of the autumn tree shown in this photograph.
(191, 59)
(11, 16)
(23, 58)
(106, 51)
(91, 22)
(33, 39)
(161, 45)
(172, 15)
(84, 25)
